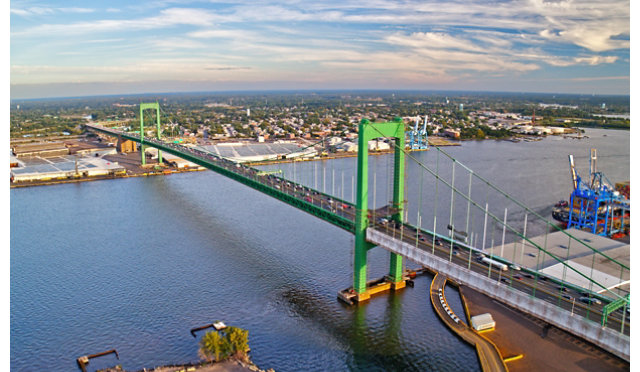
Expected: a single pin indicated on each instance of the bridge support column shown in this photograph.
(396, 267)
(144, 106)
(368, 131)
(362, 221)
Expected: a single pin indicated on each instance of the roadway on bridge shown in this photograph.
(488, 353)
(530, 282)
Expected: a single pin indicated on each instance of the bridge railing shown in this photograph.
(321, 205)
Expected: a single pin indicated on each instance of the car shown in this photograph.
(515, 267)
(621, 309)
(517, 276)
(382, 221)
(455, 253)
(527, 275)
(590, 300)
(563, 289)
(506, 280)
(567, 297)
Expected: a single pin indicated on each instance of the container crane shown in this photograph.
(417, 136)
(595, 205)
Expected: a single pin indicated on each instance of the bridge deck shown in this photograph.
(339, 212)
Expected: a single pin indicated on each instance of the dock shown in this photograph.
(488, 353)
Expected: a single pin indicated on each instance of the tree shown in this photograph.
(232, 341)
(238, 340)
(214, 347)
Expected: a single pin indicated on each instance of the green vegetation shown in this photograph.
(280, 114)
(230, 342)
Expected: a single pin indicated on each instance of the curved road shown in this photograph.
(488, 354)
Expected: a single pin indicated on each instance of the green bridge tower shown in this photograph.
(144, 106)
(367, 132)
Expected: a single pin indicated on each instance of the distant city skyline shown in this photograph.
(118, 47)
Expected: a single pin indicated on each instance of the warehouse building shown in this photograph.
(63, 167)
(42, 149)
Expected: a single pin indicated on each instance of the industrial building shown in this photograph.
(63, 167)
(244, 152)
(40, 149)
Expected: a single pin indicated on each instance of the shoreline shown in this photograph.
(131, 162)
(50, 182)
(229, 365)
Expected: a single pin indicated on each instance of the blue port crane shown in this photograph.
(418, 138)
(595, 205)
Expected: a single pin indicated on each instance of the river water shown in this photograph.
(133, 264)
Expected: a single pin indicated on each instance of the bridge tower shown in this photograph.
(144, 106)
(367, 132)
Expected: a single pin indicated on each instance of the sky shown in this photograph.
(77, 48)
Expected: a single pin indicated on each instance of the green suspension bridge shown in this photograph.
(601, 316)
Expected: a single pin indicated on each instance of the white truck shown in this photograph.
(494, 263)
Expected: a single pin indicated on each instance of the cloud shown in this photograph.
(227, 68)
(600, 78)
(76, 10)
(218, 34)
(426, 40)
(563, 61)
(185, 69)
(455, 53)
(40, 11)
(166, 18)
(178, 43)
(32, 11)
(434, 40)
(595, 60)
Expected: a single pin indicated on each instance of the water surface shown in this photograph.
(133, 264)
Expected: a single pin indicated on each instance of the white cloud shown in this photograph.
(178, 43)
(184, 69)
(166, 18)
(441, 40)
(76, 10)
(596, 60)
(434, 40)
(32, 11)
(218, 34)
